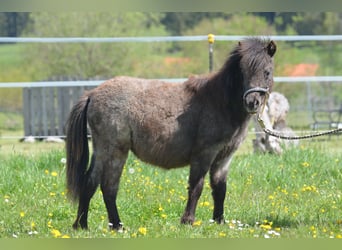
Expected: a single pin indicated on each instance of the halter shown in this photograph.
(257, 90)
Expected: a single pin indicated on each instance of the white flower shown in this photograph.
(63, 160)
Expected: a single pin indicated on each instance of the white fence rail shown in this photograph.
(159, 39)
(283, 79)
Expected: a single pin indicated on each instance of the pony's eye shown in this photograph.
(266, 73)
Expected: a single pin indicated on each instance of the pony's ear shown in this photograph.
(271, 48)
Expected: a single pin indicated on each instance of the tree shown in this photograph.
(317, 23)
(238, 24)
(86, 60)
(13, 23)
(178, 22)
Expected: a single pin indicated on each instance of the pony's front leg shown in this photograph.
(196, 180)
(218, 180)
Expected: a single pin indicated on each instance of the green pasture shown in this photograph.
(294, 195)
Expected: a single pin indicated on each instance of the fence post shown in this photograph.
(211, 40)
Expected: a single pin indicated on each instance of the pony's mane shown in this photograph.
(196, 82)
(252, 51)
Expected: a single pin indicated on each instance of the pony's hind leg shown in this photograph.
(88, 189)
(110, 185)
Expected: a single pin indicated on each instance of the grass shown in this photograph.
(14, 67)
(295, 195)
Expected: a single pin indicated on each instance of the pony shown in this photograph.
(274, 116)
(198, 123)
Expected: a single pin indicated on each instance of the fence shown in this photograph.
(45, 109)
(47, 104)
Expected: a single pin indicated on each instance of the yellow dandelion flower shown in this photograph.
(46, 171)
(52, 194)
(183, 198)
(33, 225)
(271, 197)
(142, 230)
(339, 236)
(222, 234)
(305, 164)
(22, 214)
(54, 174)
(266, 227)
(163, 216)
(204, 204)
(160, 208)
(197, 223)
(65, 236)
(284, 191)
(56, 233)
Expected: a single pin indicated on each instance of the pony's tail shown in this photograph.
(77, 149)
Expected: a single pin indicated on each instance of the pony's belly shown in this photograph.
(165, 156)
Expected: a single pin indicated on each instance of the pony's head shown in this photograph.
(256, 64)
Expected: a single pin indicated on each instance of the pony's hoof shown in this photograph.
(76, 226)
(187, 220)
(119, 227)
(220, 220)
(79, 223)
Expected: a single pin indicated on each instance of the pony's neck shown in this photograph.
(227, 84)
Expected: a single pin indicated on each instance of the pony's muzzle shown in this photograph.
(254, 98)
(252, 103)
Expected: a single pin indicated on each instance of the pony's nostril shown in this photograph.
(251, 105)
